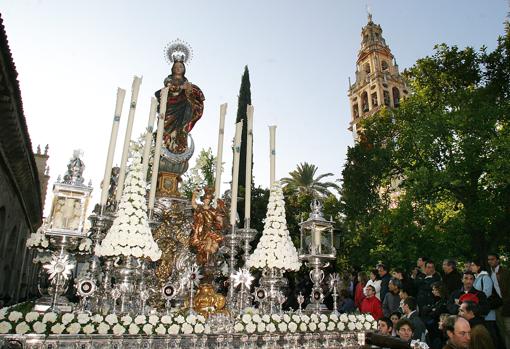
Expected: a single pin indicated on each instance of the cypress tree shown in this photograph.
(243, 102)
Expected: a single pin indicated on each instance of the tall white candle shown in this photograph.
(111, 147)
(157, 149)
(129, 129)
(249, 152)
(219, 151)
(148, 136)
(235, 173)
(272, 154)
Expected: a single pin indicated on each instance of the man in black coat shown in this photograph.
(452, 279)
(424, 296)
(467, 293)
(385, 279)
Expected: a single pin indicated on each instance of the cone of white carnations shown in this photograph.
(130, 234)
(275, 248)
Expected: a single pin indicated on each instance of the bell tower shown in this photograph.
(378, 81)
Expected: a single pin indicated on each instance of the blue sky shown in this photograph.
(71, 56)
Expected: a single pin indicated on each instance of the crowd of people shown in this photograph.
(468, 308)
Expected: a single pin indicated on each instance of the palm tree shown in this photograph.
(302, 180)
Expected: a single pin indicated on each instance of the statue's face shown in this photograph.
(178, 68)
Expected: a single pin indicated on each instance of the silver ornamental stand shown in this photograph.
(65, 229)
(231, 244)
(316, 249)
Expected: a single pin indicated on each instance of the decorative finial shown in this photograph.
(38, 149)
(369, 13)
(75, 169)
(178, 51)
(46, 149)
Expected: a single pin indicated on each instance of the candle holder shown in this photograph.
(231, 244)
(272, 280)
(246, 236)
(334, 284)
(300, 300)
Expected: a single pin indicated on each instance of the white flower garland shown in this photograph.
(15, 322)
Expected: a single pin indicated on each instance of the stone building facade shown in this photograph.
(20, 193)
(378, 82)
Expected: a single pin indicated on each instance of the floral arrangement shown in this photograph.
(130, 234)
(275, 248)
(19, 321)
(251, 322)
(38, 239)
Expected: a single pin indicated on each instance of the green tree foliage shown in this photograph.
(200, 175)
(433, 176)
(302, 180)
(244, 100)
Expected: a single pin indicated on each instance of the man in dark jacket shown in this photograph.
(452, 279)
(458, 332)
(424, 296)
(385, 279)
(501, 278)
(467, 293)
(480, 337)
(409, 309)
(391, 301)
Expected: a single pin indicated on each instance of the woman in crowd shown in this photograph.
(431, 314)
(358, 292)
(374, 281)
(407, 283)
(483, 282)
(395, 317)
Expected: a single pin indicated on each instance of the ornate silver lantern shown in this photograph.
(316, 249)
(66, 227)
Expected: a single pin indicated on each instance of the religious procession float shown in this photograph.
(144, 270)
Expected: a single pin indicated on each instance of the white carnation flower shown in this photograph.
(303, 327)
(352, 317)
(359, 326)
(32, 316)
(67, 318)
(312, 326)
(57, 328)
(251, 327)
(111, 319)
(266, 318)
(118, 330)
(360, 317)
(73, 328)
(374, 325)
(161, 330)
(305, 318)
(271, 328)
(286, 318)
(351, 326)
(296, 318)
(340, 326)
(140, 319)
(321, 326)
(314, 318)
(261, 327)
(166, 319)
(276, 317)
(199, 328)
(22, 328)
(173, 329)
(96, 318)
(324, 318)
(282, 327)
(186, 328)
(126, 320)
(103, 328)
(292, 327)
(256, 318)
(83, 318)
(153, 319)
(367, 325)
(179, 319)
(191, 319)
(344, 318)
(15, 316)
(238, 327)
(88, 329)
(333, 317)
(331, 326)
(39, 327)
(148, 329)
(246, 318)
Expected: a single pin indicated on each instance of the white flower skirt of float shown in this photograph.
(249, 330)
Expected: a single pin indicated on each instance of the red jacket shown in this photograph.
(358, 294)
(373, 306)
